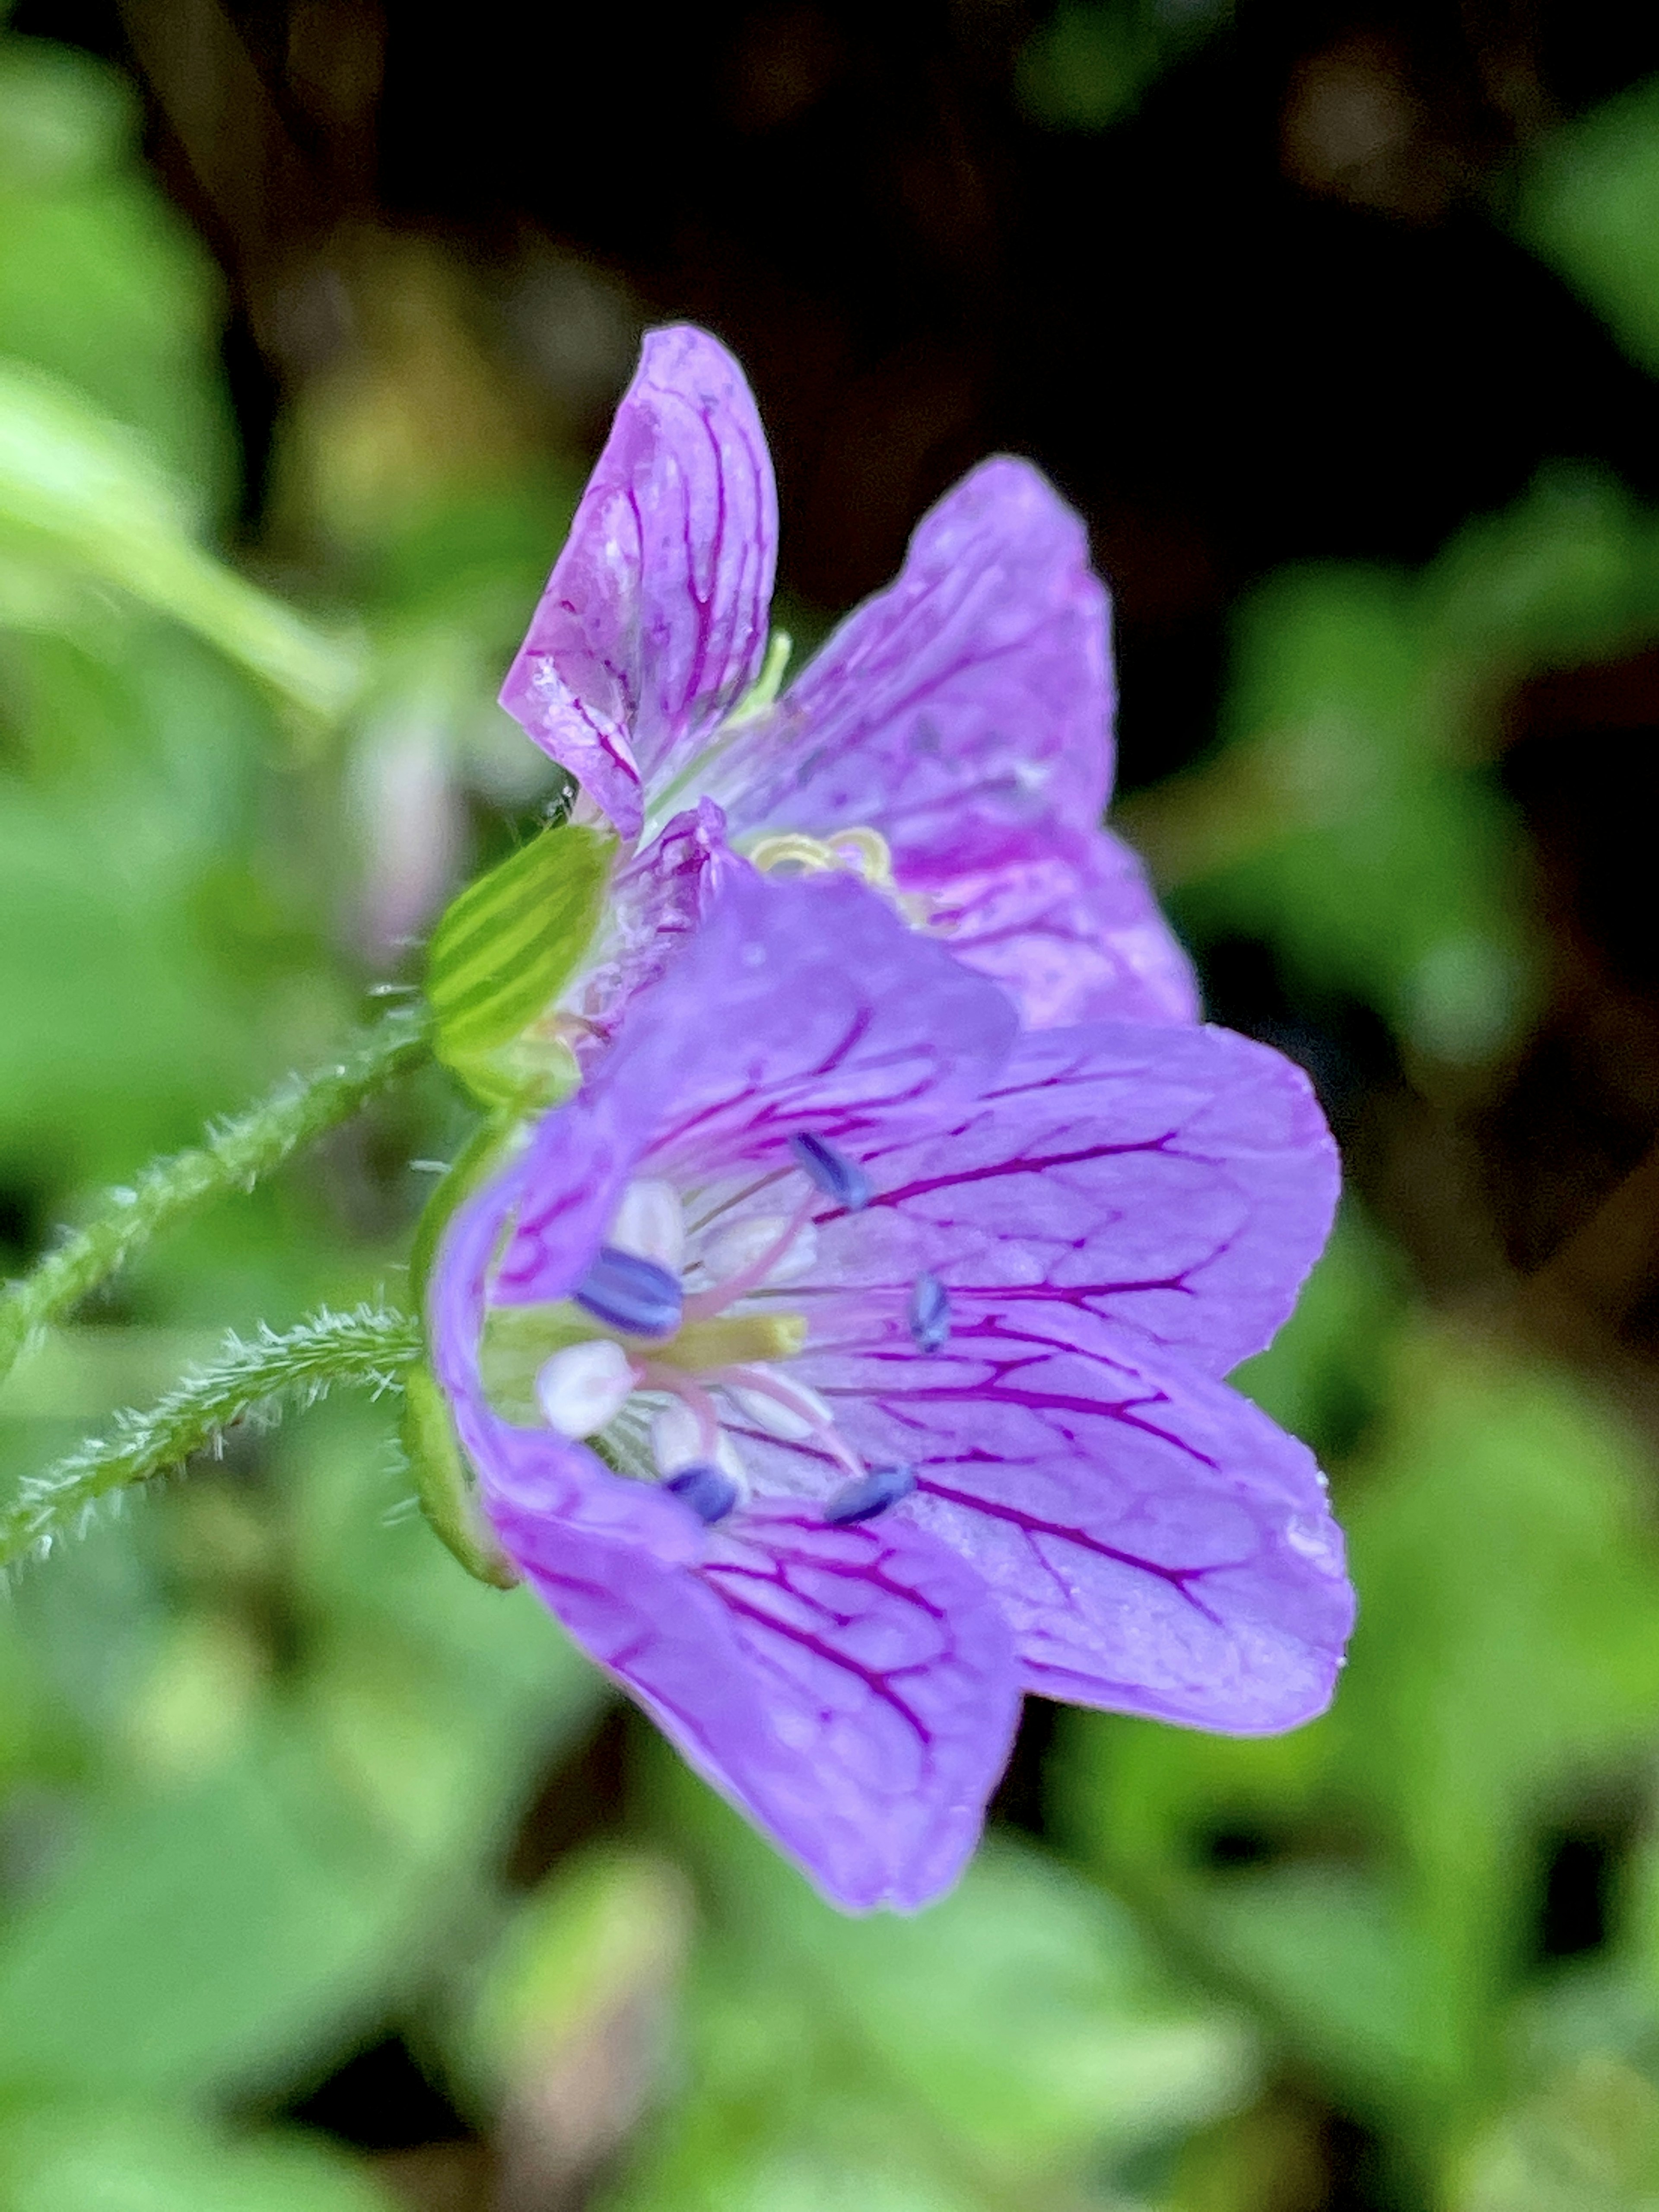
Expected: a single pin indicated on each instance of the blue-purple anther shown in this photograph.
(862, 1500)
(708, 1491)
(836, 1176)
(929, 1315)
(631, 1294)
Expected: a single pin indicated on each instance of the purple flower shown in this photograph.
(956, 730)
(842, 1362)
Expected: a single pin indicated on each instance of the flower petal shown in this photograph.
(805, 1005)
(976, 687)
(1180, 1182)
(795, 1005)
(1159, 1546)
(657, 899)
(1064, 920)
(853, 1691)
(653, 622)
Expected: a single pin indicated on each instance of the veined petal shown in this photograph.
(976, 687)
(853, 1691)
(1157, 1544)
(1064, 920)
(795, 1005)
(1180, 1183)
(805, 1005)
(653, 623)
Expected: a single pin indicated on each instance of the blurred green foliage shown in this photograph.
(275, 1773)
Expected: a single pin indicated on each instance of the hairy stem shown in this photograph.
(369, 1348)
(234, 1157)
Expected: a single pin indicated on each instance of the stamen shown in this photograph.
(803, 1403)
(836, 1176)
(584, 1386)
(709, 1493)
(633, 1294)
(930, 1312)
(788, 1248)
(686, 1429)
(861, 1501)
(872, 854)
(782, 1408)
(651, 1222)
(702, 1304)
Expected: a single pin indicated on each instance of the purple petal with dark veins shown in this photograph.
(976, 687)
(807, 1006)
(798, 1006)
(1063, 919)
(1180, 1182)
(853, 1691)
(653, 623)
(1157, 1544)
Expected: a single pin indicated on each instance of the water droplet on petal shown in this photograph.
(1315, 1539)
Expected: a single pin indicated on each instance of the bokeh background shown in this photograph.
(331, 1881)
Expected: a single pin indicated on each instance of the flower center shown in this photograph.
(679, 1334)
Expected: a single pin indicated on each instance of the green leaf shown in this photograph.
(83, 491)
(1588, 204)
(101, 281)
(1588, 2143)
(1025, 2012)
(90, 2158)
(501, 953)
(1504, 1666)
(1005, 2041)
(226, 1930)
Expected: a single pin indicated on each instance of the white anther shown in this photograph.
(584, 1386)
(677, 1437)
(735, 1248)
(651, 1222)
(678, 1441)
(790, 1410)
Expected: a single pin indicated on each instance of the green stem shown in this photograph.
(234, 1157)
(369, 1348)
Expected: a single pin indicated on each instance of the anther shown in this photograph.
(584, 1386)
(651, 1222)
(836, 1176)
(861, 1501)
(930, 1312)
(633, 1294)
(708, 1491)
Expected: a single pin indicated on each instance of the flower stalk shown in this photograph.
(234, 1157)
(369, 1348)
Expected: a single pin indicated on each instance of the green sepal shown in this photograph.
(500, 957)
(445, 1482)
(489, 1146)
